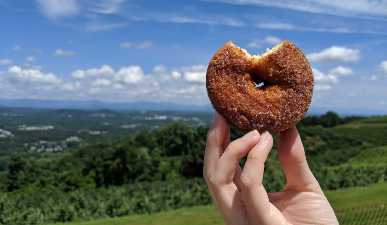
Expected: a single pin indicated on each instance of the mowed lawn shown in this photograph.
(200, 215)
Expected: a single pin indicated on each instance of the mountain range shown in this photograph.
(160, 106)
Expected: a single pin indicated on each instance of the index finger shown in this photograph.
(292, 155)
(215, 144)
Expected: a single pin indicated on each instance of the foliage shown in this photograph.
(161, 169)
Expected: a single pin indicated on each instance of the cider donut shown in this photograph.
(271, 92)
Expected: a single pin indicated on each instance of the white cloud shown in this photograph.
(372, 78)
(118, 86)
(126, 45)
(341, 71)
(322, 87)
(105, 71)
(6, 62)
(16, 74)
(343, 8)
(162, 74)
(31, 59)
(382, 67)
(276, 26)
(335, 54)
(94, 90)
(101, 26)
(101, 82)
(268, 40)
(129, 75)
(58, 8)
(16, 48)
(32, 67)
(175, 74)
(320, 77)
(195, 74)
(38, 50)
(60, 52)
(78, 74)
(71, 86)
(145, 45)
(160, 69)
(105, 6)
(183, 18)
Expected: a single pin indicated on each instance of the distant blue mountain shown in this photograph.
(162, 106)
(96, 105)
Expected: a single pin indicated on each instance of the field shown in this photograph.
(209, 214)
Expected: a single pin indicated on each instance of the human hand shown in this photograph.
(240, 195)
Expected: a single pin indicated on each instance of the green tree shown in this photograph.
(16, 175)
(176, 139)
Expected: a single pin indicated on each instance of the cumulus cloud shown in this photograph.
(118, 86)
(341, 71)
(175, 74)
(6, 62)
(101, 82)
(162, 74)
(382, 67)
(129, 75)
(160, 69)
(121, 85)
(104, 71)
(126, 45)
(31, 59)
(335, 54)
(268, 40)
(16, 74)
(195, 74)
(16, 48)
(54, 9)
(71, 86)
(146, 45)
(78, 74)
(60, 52)
(320, 77)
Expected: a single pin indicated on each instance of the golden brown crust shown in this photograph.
(278, 105)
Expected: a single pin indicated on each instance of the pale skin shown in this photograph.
(240, 195)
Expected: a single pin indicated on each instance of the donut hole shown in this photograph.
(258, 83)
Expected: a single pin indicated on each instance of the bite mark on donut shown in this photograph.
(278, 104)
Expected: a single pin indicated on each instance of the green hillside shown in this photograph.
(374, 156)
(209, 214)
(377, 119)
(158, 170)
(372, 133)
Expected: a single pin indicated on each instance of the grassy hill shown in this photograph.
(209, 214)
(374, 156)
(372, 130)
(377, 120)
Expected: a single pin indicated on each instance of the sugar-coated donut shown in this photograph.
(271, 92)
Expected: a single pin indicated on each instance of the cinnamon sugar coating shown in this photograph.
(282, 100)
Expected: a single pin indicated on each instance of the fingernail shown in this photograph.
(216, 116)
(264, 136)
(250, 134)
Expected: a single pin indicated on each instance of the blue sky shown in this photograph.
(153, 50)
